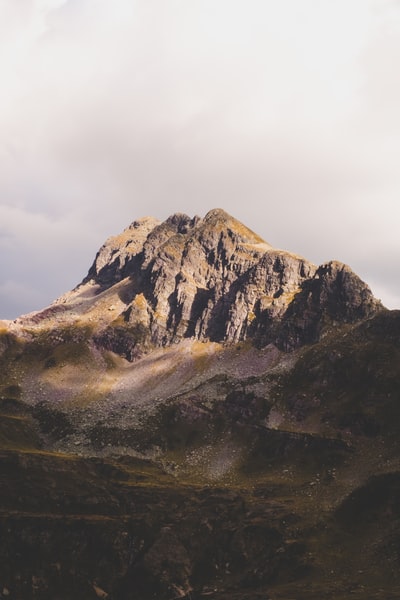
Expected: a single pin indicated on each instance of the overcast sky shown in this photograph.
(283, 112)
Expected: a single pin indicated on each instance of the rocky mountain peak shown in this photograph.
(211, 279)
(217, 220)
(182, 223)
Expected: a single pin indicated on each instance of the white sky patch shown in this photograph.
(283, 113)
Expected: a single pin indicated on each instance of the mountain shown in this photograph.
(208, 279)
(203, 416)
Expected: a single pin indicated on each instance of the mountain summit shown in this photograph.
(209, 279)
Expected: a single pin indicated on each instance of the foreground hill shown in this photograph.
(203, 416)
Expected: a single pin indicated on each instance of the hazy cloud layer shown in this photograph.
(284, 113)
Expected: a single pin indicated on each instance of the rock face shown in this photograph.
(213, 279)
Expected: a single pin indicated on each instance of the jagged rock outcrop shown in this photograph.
(208, 279)
(334, 295)
(214, 279)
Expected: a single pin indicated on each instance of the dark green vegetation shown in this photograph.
(279, 486)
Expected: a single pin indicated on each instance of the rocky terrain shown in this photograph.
(203, 416)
